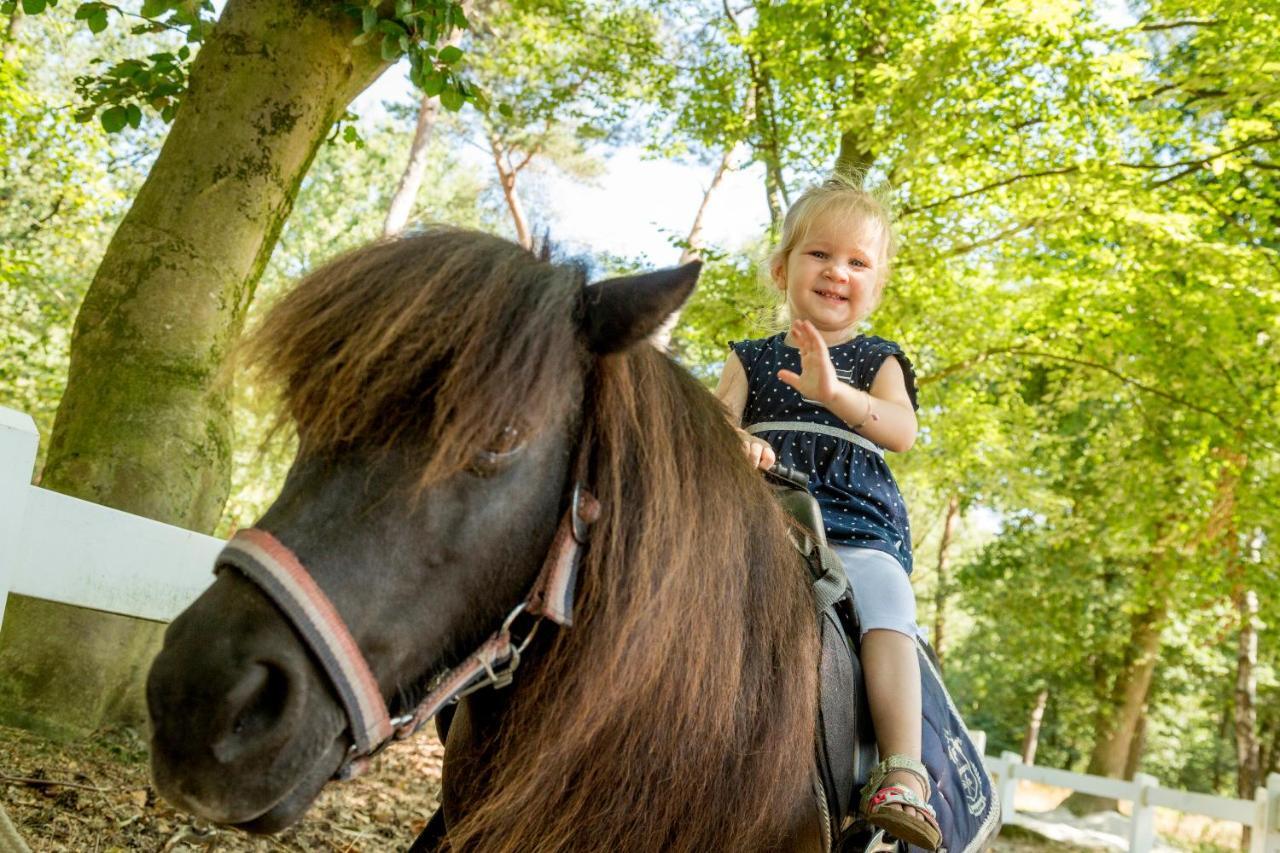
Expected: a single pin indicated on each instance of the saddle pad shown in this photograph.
(964, 795)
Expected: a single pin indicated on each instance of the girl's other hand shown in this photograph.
(759, 452)
(817, 379)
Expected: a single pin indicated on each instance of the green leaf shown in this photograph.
(369, 19)
(450, 55)
(504, 109)
(114, 119)
(390, 48)
(98, 22)
(33, 7)
(154, 8)
(433, 84)
(403, 8)
(452, 99)
(134, 115)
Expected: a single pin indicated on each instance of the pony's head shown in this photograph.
(442, 387)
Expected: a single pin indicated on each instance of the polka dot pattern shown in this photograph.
(861, 503)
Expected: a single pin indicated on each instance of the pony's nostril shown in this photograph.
(257, 707)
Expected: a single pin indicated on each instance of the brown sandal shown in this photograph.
(921, 831)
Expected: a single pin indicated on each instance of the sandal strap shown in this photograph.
(895, 762)
(901, 795)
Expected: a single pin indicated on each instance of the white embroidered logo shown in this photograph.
(974, 800)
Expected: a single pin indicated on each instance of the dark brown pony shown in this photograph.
(441, 386)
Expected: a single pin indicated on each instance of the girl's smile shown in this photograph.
(832, 277)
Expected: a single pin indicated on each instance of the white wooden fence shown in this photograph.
(76, 552)
(1261, 814)
(68, 550)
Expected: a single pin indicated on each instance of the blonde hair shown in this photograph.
(842, 195)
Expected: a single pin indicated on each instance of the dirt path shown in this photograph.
(97, 796)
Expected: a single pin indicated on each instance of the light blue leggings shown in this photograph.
(882, 591)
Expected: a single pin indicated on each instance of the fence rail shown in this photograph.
(72, 551)
(1261, 814)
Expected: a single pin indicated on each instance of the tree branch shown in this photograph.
(1173, 25)
(907, 211)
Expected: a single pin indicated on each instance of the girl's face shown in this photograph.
(832, 276)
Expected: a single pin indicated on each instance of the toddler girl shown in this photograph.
(824, 399)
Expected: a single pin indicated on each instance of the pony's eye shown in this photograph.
(496, 457)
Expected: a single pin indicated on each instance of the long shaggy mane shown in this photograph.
(677, 713)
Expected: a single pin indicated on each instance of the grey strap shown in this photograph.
(828, 589)
(834, 432)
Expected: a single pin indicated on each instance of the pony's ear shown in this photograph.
(621, 311)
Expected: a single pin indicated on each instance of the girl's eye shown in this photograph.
(857, 262)
(822, 256)
(494, 458)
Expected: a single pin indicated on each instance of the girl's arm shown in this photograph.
(732, 394)
(884, 415)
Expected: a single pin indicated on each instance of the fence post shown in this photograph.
(1258, 832)
(1142, 827)
(1270, 829)
(18, 442)
(979, 740)
(1008, 785)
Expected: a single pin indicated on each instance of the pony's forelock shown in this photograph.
(382, 346)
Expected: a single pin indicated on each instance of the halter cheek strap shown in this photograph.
(277, 571)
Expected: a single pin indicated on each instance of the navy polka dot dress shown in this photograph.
(860, 501)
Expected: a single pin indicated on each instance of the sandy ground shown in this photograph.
(97, 796)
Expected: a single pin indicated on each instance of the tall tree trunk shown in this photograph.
(942, 580)
(1117, 720)
(1032, 738)
(507, 175)
(693, 242)
(144, 425)
(411, 178)
(1138, 745)
(11, 32)
(1248, 759)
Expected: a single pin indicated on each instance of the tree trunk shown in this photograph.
(853, 160)
(662, 337)
(1248, 760)
(1138, 745)
(1117, 721)
(507, 179)
(942, 580)
(11, 32)
(1032, 738)
(144, 424)
(411, 179)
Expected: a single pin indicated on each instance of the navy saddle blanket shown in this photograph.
(964, 795)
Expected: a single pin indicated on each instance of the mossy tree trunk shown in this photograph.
(144, 424)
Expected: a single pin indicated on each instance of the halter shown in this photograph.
(277, 571)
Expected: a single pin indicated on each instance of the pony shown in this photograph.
(450, 390)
